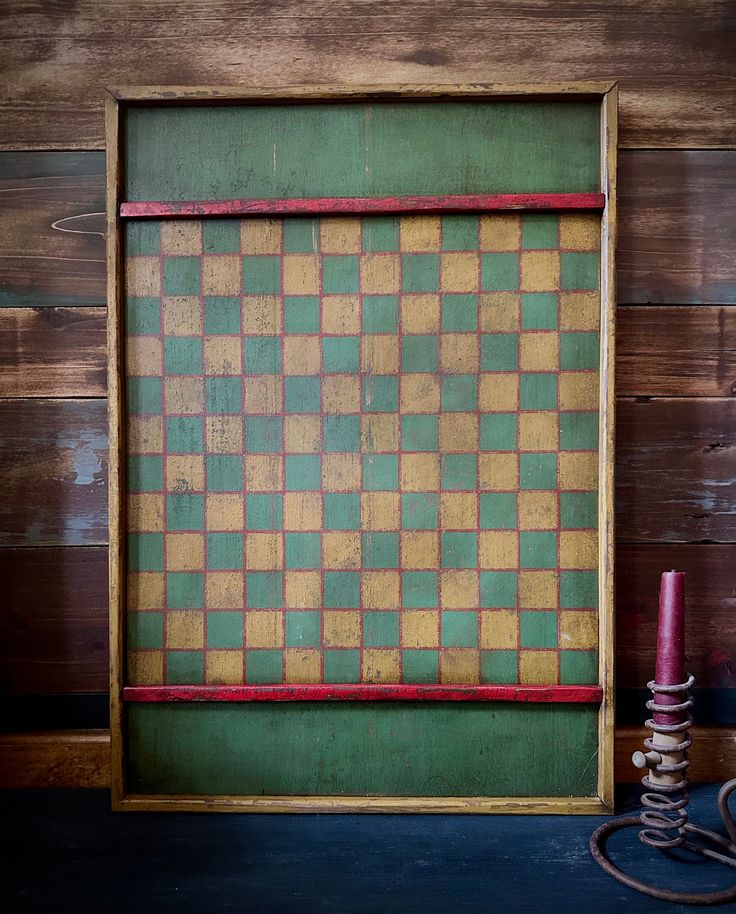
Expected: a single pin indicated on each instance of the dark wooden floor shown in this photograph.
(63, 850)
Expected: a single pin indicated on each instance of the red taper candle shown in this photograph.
(670, 669)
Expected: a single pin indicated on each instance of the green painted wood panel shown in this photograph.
(361, 149)
(355, 748)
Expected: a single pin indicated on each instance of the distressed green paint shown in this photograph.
(363, 749)
(360, 149)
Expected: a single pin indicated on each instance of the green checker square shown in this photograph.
(224, 395)
(459, 629)
(381, 233)
(181, 275)
(380, 472)
(538, 549)
(142, 315)
(184, 667)
(225, 551)
(342, 589)
(499, 431)
(459, 550)
(224, 629)
(380, 550)
(380, 313)
(263, 667)
(301, 235)
(460, 393)
(301, 314)
(578, 667)
(301, 395)
(340, 434)
(183, 355)
(539, 231)
(261, 274)
(221, 315)
(142, 238)
(578, 590)
(342, 666)
(498, 589)
(145, 630)
(185, 590)
(263, 589)
(539, 310)
(499, 667)
(420, 666)
(342, 510)
(499, 272)
(302, 550)
(185, 512)
(145, 474)
(420, 353)
(460, 233)
(498, 511)
(538, 471)
(145, 552)
(459, 312)
(380, 629)
(538, 629)
(303, 472)
(419, 511)
(419, 589)
(184, 435)
(420, 433)
(263, 434)
(340, 354)
(538, 390)
(499, 351)
(144, 396)
(420, 272)
(578, 431)
(579, 351)
(578, 510)
(380, 393)
(303, 629)
(263, 512)
(340, 274)
(459, 472)
(579, 271)
(224, 473)
(262, 354)
(221, 236)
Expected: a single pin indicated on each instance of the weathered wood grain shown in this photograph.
(674, 60)
(64, 758)
(53, 461)
(713, 754)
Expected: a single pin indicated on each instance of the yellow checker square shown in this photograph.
(419, 472)
(420, 628)
(302, 434)
(181, 237)
(380, 666)
(540, 271)
(182, 315)
(420, 393)
(302, 589)
(262, 394)
(419, 233)
(221, 275)
(379, 510)
(261, 314)
(379, 432)
(459, 589)
(579, 549)
(341, 314)
(302, 666)
(184, 629)
(184, 396)
(264, 628)
(145, 667)
(142, 276)
(145, 590)
(184, 551)
(538, 590)
(302, 355)
(539, 351)
(224, 667)
(460, 667)
(539, 431)
(341, 549)
(499, 549)
(341, 394)
(143, 356)
(459, 353)
(341, 472)
(185, 473)
(380, 274)
(499, 629)
(498, 392)
(260, 236)
(145, 512)
(538, 511)
(302, 511)
(380, 589)
(459, 272)
(224, 434)
(145, 434)
(224, 590)
(341, 628)
(225, 512)
(498, 472)
(580, 232)
(459, 510)
(301, 274)
(380, 353)
(578, 630)
(499, 312)
(578, 470)
(264, 551)
(419, 549)
(580, 310)
(223, 355)
(500, 232)
(538, 667)
(420, 313)
(579, 390)
(458, 432)
(340, 234)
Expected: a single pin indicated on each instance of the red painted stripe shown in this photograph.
(314, 205)
(321, 692)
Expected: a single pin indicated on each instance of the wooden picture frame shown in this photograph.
(121, 101)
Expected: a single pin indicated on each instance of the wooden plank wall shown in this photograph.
(676, 378)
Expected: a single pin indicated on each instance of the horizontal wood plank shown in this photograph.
(712, 755)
